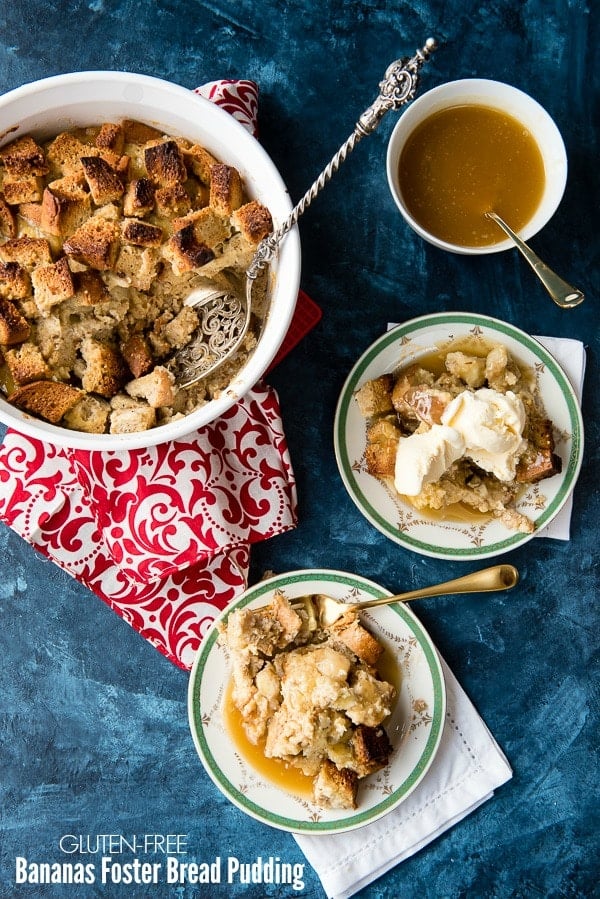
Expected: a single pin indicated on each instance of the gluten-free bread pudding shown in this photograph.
(460, 431)
(104, 233)
(311, 696)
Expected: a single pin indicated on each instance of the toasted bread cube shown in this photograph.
(8, 222)
(335, 787)
(141, 234)
(129, 416)
(26, 364)
(226, 194)
(185, 252)
(209, 227)
(24, 157)
(65, 205)
(48, 399)
(200, 161)
(140, 265)
(111, 137)
(137, 355)
(164, 163)
(52, 284)
(32, 214)
(179, 330)
(65, 152)
(14, 327)
(15, 282)
(89, 414)
(27, 251)
(372, 749)
(104, 371)
(139, 197)
(22, 189)
(104, 183)
(253, 221)
(156, 387)
(374, 397)
(360, 641)
(172, 201)
(95, 243)
(382, 446)
(90, 289)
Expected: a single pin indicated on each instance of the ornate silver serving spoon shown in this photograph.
(224, 317)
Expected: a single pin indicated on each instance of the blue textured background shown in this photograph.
(94, 732)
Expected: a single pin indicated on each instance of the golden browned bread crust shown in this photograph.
(26, 364)
(375, 396)
(111, 137)
(335, 787)
(139, 197)
(226, 192)
(24, 156)
(104, 372)
(14, 328)
(8, 222)
(539, 461)
(186, 252)
(48, 399)
(104, 183)
(383, 437)
(359, 640)
(164, 163)
(52, 284)
(22, 189)
(137, 355)
(95, 243)
(15, 282)
(372, 749)
(27, 251)
(65, 205)
(253, 221)
(141, 234)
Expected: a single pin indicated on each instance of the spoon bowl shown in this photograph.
(322, 610)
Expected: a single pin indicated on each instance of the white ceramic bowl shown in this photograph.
(44, 108)
(504, 97)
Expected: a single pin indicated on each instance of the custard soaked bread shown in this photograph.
(104, 232)
(311, 696)
(461, 429)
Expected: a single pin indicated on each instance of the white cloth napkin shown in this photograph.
(467, 768)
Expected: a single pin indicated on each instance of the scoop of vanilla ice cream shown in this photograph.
(491, 424)
(423, 458)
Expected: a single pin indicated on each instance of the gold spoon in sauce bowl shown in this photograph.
(563, 294)
(326, 609)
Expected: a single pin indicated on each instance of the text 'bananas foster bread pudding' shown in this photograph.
(311, 696)
(104, 232)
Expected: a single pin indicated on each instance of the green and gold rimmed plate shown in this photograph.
(396, 517)
(414, 728)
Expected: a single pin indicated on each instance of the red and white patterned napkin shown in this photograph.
(163, 534)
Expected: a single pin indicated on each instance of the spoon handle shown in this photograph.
(398, 87)
(563, 294)
(498, 577)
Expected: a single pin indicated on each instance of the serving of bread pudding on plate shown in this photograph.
(460, 432)
(311, 696)
(104, 233)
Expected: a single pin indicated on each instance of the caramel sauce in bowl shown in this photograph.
(469, 147)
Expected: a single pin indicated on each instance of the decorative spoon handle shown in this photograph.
(398, 87)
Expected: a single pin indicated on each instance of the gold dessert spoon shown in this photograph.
(563, 294)
(325, 610)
